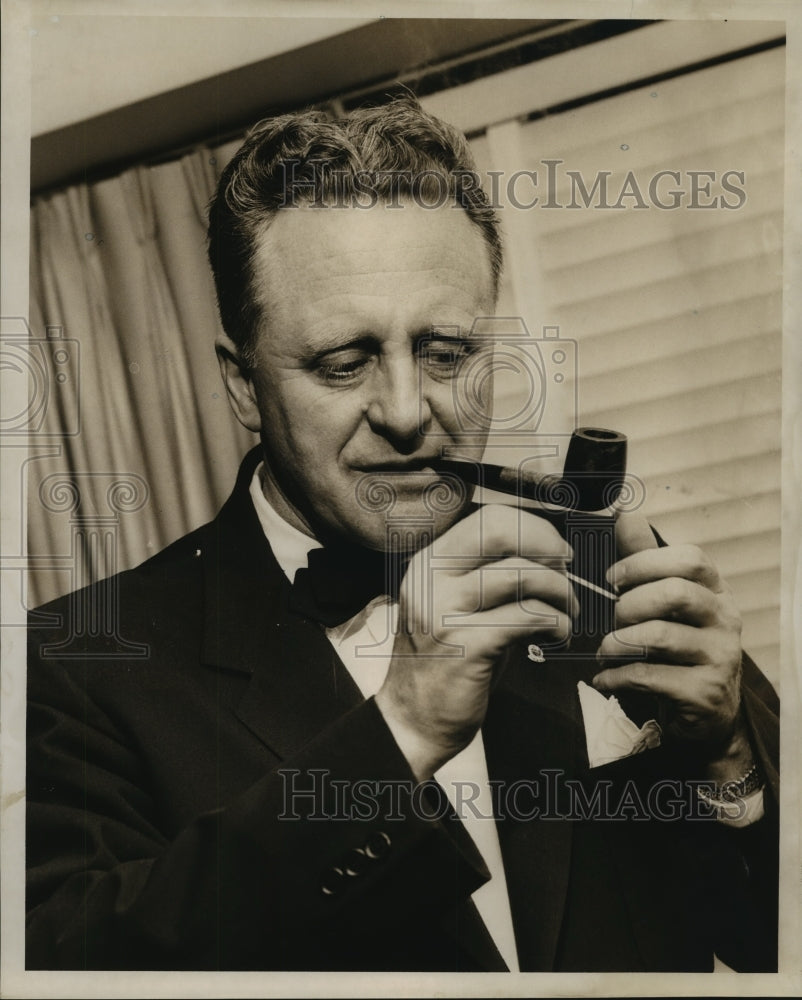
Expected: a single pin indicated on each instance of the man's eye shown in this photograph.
(339, 371)
(444, 358)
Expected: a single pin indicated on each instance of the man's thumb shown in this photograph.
(633, 534)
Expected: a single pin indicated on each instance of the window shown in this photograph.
(676, 312)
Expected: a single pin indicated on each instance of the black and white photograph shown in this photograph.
(400, 499)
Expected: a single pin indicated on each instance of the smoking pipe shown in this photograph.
(592, 479)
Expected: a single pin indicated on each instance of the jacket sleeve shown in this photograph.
(260, 883)
(739, 867)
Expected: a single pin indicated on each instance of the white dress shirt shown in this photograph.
(364, 644)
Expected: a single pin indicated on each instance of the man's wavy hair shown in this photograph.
(378, 154)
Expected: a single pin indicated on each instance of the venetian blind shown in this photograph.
(676, 312)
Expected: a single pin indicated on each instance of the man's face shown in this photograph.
(347, 379)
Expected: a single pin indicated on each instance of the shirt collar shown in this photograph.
(290, 546)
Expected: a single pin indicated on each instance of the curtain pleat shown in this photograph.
(120, 266)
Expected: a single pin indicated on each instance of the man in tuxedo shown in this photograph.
(356, 741)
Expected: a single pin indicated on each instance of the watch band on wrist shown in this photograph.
(738, 788)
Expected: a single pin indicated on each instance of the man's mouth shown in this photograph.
(422, 465)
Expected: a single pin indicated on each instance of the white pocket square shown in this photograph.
(610, 734)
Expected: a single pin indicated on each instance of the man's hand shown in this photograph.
(674, 605)
(494, 577)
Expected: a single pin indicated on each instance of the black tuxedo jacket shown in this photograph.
(168, 829)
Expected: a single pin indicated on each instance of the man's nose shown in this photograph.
(398, 407)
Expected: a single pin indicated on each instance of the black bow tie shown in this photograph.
(339, 581)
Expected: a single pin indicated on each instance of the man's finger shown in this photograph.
(498, 531)
(664, 679)
(511, 580)
(696, 693)
(687, 562)
(501, 625)
(671, 599)
(657, 640)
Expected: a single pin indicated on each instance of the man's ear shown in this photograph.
(239, 385)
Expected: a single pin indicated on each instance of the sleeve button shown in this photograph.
(333, 880)
(355, 862)
(378, 845)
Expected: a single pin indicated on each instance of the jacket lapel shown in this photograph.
(531, 735)
(534, 732)
(298, 685)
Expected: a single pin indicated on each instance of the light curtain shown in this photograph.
(120, 266)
